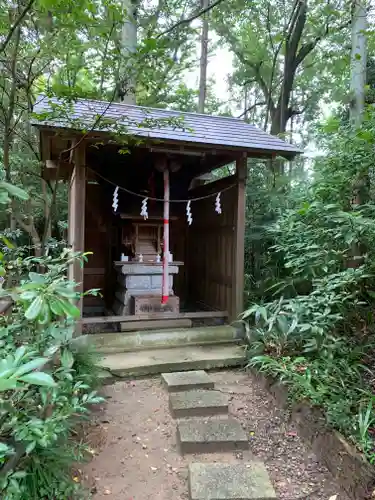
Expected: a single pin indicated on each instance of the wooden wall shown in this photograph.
(177, 240)
(211, 252)
(98, 239)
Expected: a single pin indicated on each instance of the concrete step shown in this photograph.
(152, 339)
(148, 362)
(211, 436)
(219, 481)
(198, 404)
(187, 381)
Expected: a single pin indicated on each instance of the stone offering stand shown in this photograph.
(205, 427)
(139, 287)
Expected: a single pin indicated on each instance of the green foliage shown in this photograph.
(262, 36)
(267, 196)
(8, 190)
(316, 331)
(46, 381)
(334, 383)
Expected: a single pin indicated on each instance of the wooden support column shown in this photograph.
(238, 277)
(76, 219)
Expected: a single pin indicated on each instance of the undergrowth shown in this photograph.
(317, 333)
(47, 380)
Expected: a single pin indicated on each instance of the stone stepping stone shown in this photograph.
(198, 404)
(210, 436)
(217, 481)
(186, 381)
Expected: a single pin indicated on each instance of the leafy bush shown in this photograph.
(45, 381)
(317, 333)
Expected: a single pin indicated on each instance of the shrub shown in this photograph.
(317, 335)
(45, 381)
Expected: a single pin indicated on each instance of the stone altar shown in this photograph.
(137, 279)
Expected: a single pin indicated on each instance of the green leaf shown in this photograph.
(262, 311)
(4, 448)
(30, 447)
(39, 378)
(30, 366)
(20, 474)
(19, 354)
(66, 292)
(28, 295)
(37, 278)
(6, 384)
(7, 243)
(56, 307)
(14, 191)
(67, 359)
(33, 311)
(44, 316)
(70, 309)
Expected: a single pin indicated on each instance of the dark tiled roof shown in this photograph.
(158, 124)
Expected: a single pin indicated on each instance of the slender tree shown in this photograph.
(126, 83)
(358, 61)
(203, 59)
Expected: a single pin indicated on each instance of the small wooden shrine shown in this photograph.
(140, 270)
(164, 243)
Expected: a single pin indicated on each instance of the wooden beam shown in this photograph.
(147, 142)
(89, 271)
(213, 187)
(143, 317)
(76, 219)
(238, 277)
(52, 171)
(45, 146)
(142, 219)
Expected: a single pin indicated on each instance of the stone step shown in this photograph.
(211, 436)
(148, 362)
(108, 343)
(186, 381)
(219, 481)
(155, 324)
(198, 404)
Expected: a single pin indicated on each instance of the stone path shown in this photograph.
(192, 396)
(135, 453)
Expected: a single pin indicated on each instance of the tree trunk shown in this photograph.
(358, 61)
(203, 61)
(127, 77)
(361, 185)
(47, 213)
(9, 117)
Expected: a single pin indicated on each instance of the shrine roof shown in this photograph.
(158, 125)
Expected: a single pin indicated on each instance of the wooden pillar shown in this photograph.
(238, 278)
(76, 218)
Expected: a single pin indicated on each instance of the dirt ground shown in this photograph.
(137, 458)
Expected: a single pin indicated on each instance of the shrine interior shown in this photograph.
(127, 249)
